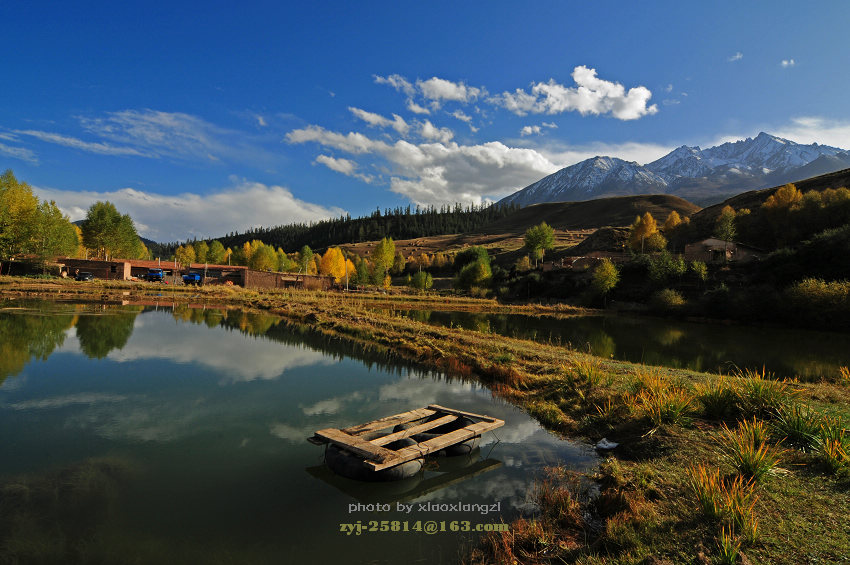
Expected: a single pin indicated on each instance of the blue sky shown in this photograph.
(203, 118)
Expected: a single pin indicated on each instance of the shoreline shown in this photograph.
(646, 509)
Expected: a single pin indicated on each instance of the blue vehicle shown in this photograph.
(153, 275)
(193, 278)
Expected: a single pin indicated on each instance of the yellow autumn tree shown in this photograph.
(786, 197)
(644, 235)
(333, 264)
(672, 222)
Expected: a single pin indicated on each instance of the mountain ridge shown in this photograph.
(700, 175)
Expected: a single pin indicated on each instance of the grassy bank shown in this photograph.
(708, 467)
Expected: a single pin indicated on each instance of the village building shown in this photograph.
(134, 269)
(713, 250)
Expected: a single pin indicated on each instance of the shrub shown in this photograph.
(665, 266)
(729, 546)
(660, 401)
(732, 503)
(707, 488)
(718, 398)
(834, 444)
(422, 280)
(819, 302)
(797, 426)
(667, 299)
(746, 449)
(844, 375)
(760, 395)
(699, 269)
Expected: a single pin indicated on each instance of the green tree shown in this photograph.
(362, 273)
(18, 212)
(108, 233)
(422, 280)
(202, 250)
(724, 228)
(399, 263)
(263, 257)
(383, 255)
(284, 263)
(305, 257)
(53, 233)
(216, 254)
(470, 255)
(604, 278)
(185, 256)
(474, 274)
(98, 335)
(538, 239)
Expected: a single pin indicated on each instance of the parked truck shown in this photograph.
(193, 278)
(153, 275)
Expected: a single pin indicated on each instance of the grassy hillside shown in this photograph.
(591, 214)
(755, 198)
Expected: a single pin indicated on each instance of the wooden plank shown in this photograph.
(389, 421)
(432, 445)
(384, 440)
(438, 408)
(357, 445)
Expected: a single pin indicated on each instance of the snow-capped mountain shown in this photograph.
(691, 172)
(593, 178)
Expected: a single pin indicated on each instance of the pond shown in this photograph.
(710, 347)
(159, 434)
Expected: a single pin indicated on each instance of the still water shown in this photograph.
(806, 354)
(177, 435)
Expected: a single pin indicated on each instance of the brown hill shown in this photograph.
(591, 214)
(755, 198)
(573, 222)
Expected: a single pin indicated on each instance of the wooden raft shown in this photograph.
(379, 457)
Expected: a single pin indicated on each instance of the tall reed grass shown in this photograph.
(747, 450)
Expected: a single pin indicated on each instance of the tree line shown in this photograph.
(399, 223)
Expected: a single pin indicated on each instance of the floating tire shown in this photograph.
(463, 448)
(346, 464)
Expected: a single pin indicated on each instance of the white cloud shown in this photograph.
(344, 166)
(172, 218)
(816, 129)
(396, 81)
(416, 108)
(788, 62)
(436, 173)
(668, 88)
(355, 143)
(670, 101)
(438, 90)
(261, 121)
(461, 116)
(175, 135)
(370, 118)
(535, 129)
(397, 123)
(736, 57)
(591, 95)
(21, 153)
(88, 146)
(432, 133)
